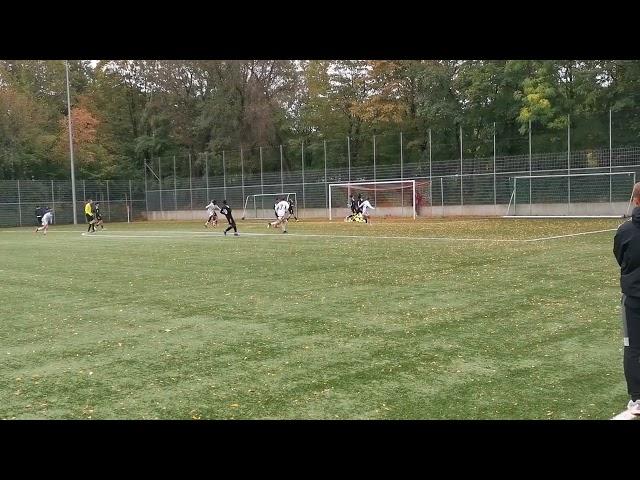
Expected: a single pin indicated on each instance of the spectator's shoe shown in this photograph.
(36, 230)
(285, 232)
(236, 234)
(225, 233)
(268, 225)
(206, 225)
(634, 407)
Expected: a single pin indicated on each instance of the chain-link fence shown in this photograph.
(466, 167)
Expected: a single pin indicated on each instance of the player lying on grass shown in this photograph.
(212, 208)
(282, 211)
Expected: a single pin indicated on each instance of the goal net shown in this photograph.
(396, 198)
(572, 195)
(261, 206)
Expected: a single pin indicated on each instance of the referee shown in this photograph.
(88, 213)
(626, 248)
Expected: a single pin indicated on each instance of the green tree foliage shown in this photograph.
(127, 112)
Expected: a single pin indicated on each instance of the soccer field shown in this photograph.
(430, 319)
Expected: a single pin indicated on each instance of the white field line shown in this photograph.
(289, 235)
(379, 221)
(569, 235)
(183, 234)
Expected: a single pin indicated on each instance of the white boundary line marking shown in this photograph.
(315, 235)
(184, 234)
(570, 235)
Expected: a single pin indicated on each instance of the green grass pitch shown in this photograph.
(432, 319)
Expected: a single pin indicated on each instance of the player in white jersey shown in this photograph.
(282, 210)
(212, 208)
(363, 207)
(46, 221)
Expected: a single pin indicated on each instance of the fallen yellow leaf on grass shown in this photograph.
(234, 405)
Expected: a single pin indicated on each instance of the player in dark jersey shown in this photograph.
(226, 211)
(39, 214)
(291, 210)
(355, 209)
(96, 209)
(354, 205)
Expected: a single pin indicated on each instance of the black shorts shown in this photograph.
(89, 217)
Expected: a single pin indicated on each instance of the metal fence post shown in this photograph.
(375, 189)
(349, 156)
(206, 174)
(402, 175)
(281, 174)
(160, 185)
(530, 170)
(19, 206)
(495, 200)
(175, 188)
(569, 164)
(224, 176)
(442, 195)
(430, 176)
(610, 162)
(190, 184)
(53, 201)
(261, 176)
(108, 203)
(326, 184)
(461, 172)
(242, 171)
(146, 194)
(302, 157)
(130, 202)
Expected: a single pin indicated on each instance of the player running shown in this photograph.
(99, 221)
(363, 206)
(212, 208)
(47, 219)
(226, 211)
(282, 210)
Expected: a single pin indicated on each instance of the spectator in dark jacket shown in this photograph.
(626, 248)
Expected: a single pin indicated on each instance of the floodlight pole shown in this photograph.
(73, 176)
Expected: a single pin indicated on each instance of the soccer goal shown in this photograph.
(578, 195)
(397, 198)
(260, 206)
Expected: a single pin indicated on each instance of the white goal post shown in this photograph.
(396, 197)
(574, 195)
(260, 206)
